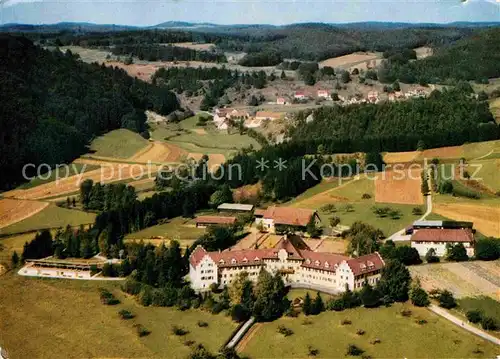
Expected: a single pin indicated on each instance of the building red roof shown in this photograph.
(366, 264)
(259, 212)
(197, 255)
(323, 261)
(443, 235)
(215, 220)
(289, 216)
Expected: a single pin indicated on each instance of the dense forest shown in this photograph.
(53, 105)
(474, 58)
(316, 42)
(157, 52)
(211, 82)
(447, 118)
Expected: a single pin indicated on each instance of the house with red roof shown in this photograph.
(275, 219)
(205, 221)
(299, 266)
(439, 238)
(299, 95)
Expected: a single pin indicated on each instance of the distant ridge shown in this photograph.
(91, 27)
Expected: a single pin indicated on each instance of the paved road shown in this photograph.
(464, 325)
(240, 333)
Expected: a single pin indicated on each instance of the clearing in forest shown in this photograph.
(347, 61)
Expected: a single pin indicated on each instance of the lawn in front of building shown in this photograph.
(400, 336)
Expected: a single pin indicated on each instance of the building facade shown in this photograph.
(297, 263)
(439, 238)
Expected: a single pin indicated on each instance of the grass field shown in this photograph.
(488, 172)
(486, 305)
(350, 193)
(65, 319)
(177, 228)
(401, 337)
(188, 136)
(118, 143)
(51, 217)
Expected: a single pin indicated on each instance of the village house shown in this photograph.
(281, 101)
(275, 219)
(439, 238)
(372, 97)
(268, 115)
(299, 95)
(299, 266)
(323, 94)
(205, 221)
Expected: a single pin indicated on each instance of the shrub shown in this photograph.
(474, 316)
(125, 314)
(345, 322)
(376, 341)
(179, 331)
(335, 304)
(107, 297)
(312, 351)
(141, 330)
(189, 343)
(417, 211)
(360, 332)
(488, 323)
(430, 256)
(285, 331)
(306, 322)
(353, 350)
(446, 300)
(406, 313)
(366, 196)
(202, 324)
(419, 297)
(421, 321)
(464, 192)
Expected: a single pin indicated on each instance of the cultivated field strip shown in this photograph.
(15, 210)
(391, 189)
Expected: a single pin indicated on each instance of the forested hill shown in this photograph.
(52, 105)
(447, 118)
(474, 58)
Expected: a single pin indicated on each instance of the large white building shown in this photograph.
(438, 238)
(297, 263)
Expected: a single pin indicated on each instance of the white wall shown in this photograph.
(439, 247)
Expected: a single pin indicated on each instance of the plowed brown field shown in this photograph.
(398, 188)
(486, 219)
(14, 210)
(158, 152)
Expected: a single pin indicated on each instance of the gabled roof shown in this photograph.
(366, 264)
(443, 235)
(197, 255)
(323, 261)
(289, 216)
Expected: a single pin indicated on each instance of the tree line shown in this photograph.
(445, 118)
(55, 104)
(157, 52)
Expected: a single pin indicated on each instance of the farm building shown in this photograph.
(53, 268)
(441, 224)
(281, 101)
(205, 221)
(299, 266)
(323, 94)
(268, 115)
(438, 238)
(235, 207)
(275, 219)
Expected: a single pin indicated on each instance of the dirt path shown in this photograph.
(457, 321)
(248, 336)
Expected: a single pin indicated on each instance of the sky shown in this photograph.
(277, 12)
